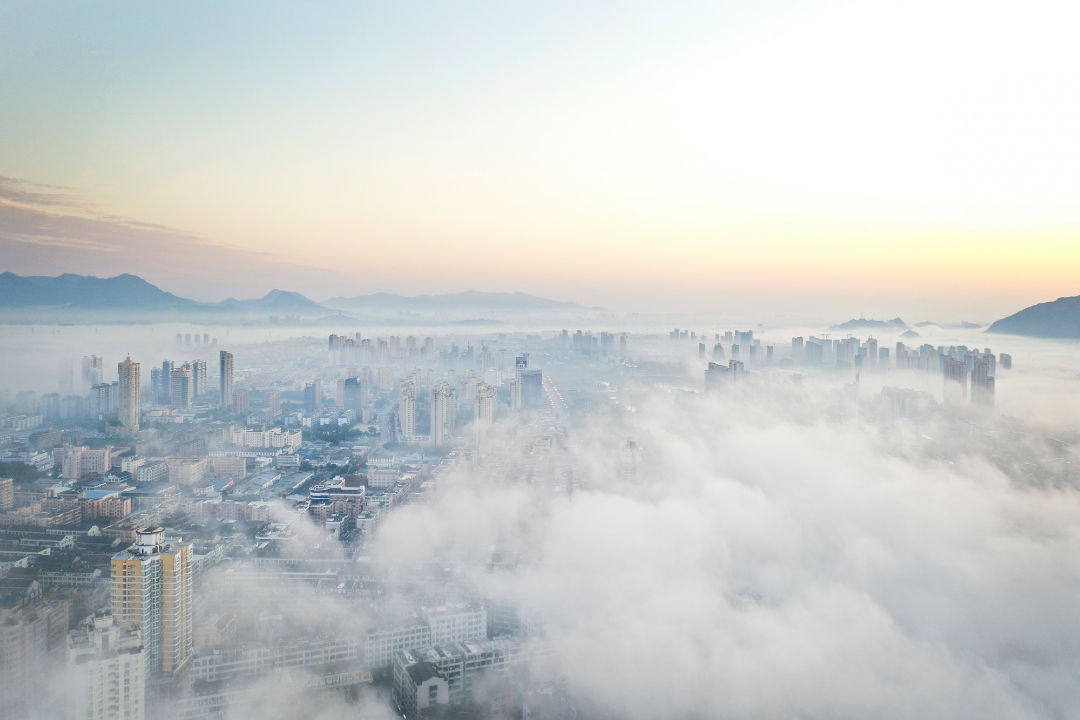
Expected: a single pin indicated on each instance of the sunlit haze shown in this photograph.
(889, 158)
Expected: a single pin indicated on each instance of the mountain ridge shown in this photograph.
(1052, 319)
(129, 292)
(70, 290)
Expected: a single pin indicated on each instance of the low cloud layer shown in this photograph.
(762, 564)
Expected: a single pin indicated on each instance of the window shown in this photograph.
(433, 693)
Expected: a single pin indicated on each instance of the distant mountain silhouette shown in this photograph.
(85, 291)
(963, 325)
(910, 334)
(866, 324)
(131, 296)
(275, 301)
(1057, 319)
(470, 299)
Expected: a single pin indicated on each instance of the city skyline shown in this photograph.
(615, 156)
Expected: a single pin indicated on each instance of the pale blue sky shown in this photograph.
(421, 146)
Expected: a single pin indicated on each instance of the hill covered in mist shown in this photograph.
(85, 291)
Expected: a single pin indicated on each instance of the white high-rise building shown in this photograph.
(128, 389)
(443, 413)
(107, 666)
(407, 410)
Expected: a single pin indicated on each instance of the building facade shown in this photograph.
(128, 395)
(152, 590)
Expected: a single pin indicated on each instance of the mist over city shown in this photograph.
(575, 361)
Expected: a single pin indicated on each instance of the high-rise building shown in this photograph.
(532, 389)
(716, 376)
(181, 388)
(515, 394)
(128, 392)
(7, 494)
(107, 667)
(241, 401)
(956, 377)
(313, 400)
(517, 389)
(151, 589)
(33, 639)
(156, 380)
(93, 369)
(982, 382)
(163, 386)
(101, 401)
(273, 402)
(407, 410)
(198, 378)
(527, 387)
(607, 344)
(443, 413)
(484, 404)
(339, 395)
(225, 379)
(354, 394)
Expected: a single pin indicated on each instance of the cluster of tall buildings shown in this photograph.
(345, 350)
(969, 374)
(607, 344)
(178, 386)
(174, 385)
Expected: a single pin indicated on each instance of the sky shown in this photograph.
(915, 159)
